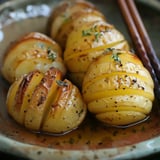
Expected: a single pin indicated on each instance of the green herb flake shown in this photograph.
(92, 32)
(108, 50)
(51, 54)
(115, 56)
(86, 33)
(62, 83)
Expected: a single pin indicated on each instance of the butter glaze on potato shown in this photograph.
(33, 51)
(63, 17)
(118, 89)
(43, 102)
(84, 34)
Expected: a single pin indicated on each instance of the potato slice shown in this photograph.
(41, 64)
(117, 80)
(129, 64)
(10, 100)
(25, 91)
(41, 99)
(67, 110)
(92, 35)
(121, 118)
(139, 103)
(126, 91)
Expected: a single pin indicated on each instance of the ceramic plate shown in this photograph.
(154, 3)
(91, 140)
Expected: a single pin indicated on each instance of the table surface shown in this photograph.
(145, 11)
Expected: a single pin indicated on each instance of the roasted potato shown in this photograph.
(89, 41)
(84, 33)
(118, 89)
(45, 102)
(33, 51)
(69, 15)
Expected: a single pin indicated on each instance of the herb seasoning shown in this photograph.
(93, 31)
(115, 56)
(51, 54)
(62, 83)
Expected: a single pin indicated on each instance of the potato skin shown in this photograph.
(116, 87)
(62, 19)
(118, 90)
(84, 34)
(31, 52)
(68, 108)
(89, 41)
(44, 102)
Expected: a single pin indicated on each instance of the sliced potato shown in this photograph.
(10, 100)
(32, 46)
(118, 89)
(41, 64)
(19, 95)
(121, 118)
(44, 102)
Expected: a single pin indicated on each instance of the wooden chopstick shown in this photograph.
(144, 37)
(141, 41)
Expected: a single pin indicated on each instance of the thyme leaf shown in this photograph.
(51, 54)
(86, 32)
(93, 31)
(115, 56)
(108, 50)
(62, 83)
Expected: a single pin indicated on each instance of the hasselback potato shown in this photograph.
(118, 89)
(86, 43)
(45, 102)
(69, 15)
(84, 33)
(33, 51)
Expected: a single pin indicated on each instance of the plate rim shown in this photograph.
(35, 152)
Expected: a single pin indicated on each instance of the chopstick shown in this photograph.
(141, 41)
(144, 37)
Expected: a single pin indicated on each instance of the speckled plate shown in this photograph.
(91, 140)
